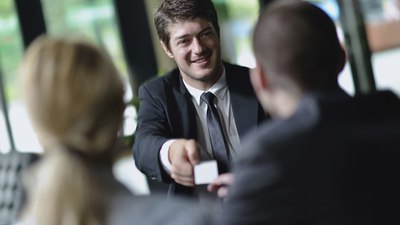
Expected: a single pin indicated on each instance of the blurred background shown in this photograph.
(368, 29)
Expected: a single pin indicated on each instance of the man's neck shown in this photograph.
(286, 103)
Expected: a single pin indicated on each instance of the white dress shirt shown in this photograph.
(224, 106)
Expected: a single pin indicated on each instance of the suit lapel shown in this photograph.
(182, 113)
(188, 107)
(243, 99)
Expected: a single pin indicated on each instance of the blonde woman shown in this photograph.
(74, 98)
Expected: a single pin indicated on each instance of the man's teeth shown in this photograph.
(201, 60)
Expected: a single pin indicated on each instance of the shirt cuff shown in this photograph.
(164, 155)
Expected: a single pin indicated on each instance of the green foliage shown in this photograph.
(242, 8)
(11, 49)
(6, 8)
(61, 20)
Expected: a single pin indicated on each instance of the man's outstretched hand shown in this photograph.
(184, 155)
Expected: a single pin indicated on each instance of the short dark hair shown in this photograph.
(171, 11)
(298, 40)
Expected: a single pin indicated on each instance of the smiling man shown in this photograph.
(196, 49)
(200, 110)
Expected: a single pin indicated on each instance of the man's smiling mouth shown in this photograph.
(198, 61)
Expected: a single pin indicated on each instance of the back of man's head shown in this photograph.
(297, 42)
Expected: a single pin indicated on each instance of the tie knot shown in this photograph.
(208, 98)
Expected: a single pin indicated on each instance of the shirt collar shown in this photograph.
(219, 89)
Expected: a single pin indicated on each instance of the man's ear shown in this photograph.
(263, 80)
(169, 53)
(258, 77)
(262, 88)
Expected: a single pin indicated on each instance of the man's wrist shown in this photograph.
(164, 155)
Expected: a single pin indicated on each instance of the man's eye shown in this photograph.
(182, 42)
(206, 34)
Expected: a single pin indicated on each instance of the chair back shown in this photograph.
(12, 194)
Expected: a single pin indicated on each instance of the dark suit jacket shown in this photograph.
(336, 161)
(167, 112)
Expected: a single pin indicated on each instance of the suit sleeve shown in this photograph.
(152, 132)
(258, 195)
(275, 174)
(250, 195)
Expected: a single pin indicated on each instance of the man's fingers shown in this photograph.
(182, 170)
(184, 181)
(184, 156)
(223, 192)
(187, 184)
(222, 180)
(182, 178)
(212, 187)
(192, 150)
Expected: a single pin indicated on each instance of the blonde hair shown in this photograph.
(74, 98)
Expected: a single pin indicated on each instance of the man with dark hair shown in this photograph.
(171, 12)
(198, 111)
(326, 158)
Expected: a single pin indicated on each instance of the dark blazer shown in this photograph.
(336, 161)
(167, 112)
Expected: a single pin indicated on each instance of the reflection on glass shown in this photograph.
(93, 19)
(382, 24)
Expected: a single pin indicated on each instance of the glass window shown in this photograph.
(94, 19)
(11, 51)
(382, 24)
(236, 21)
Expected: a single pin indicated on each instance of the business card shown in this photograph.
(205, 172)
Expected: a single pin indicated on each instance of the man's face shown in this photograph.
(195, 47)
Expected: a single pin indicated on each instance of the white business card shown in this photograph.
(205, 172)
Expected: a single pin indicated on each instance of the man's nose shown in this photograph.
(197, 46)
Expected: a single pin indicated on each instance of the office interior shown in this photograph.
(368, 29)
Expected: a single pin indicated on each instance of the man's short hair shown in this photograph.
(298, 40)
(171, 11)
